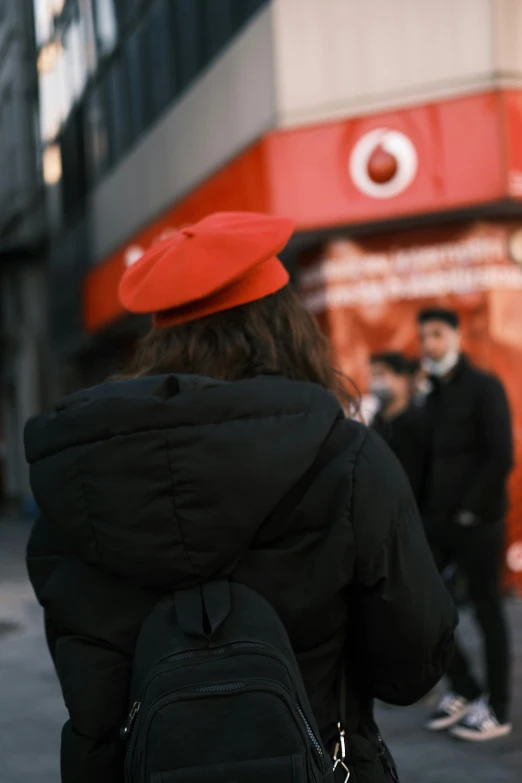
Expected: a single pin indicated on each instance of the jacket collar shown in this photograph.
(461, 367)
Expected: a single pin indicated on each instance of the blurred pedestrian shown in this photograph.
(223, 455)
(420, 383)
(398, 420)
(464, 509)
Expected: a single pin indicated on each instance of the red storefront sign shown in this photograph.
(367, 292)
(436, 157)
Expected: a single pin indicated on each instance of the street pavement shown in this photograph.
(32, 712)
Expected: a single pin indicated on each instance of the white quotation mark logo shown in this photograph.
(383, 163)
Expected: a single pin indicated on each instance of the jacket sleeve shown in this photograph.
(406, 617)
(92, 622)
(494, 423)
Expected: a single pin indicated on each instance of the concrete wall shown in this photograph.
(229, 107)
(507, 40)
(347, 57)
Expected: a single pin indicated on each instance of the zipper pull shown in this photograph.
(383, 753)
(127, 726)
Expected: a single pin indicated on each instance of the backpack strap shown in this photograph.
(201, 610)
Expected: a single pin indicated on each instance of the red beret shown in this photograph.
(225, 260)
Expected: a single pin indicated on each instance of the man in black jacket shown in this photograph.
(399, 421)
(464, 508)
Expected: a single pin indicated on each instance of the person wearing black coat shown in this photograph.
(399, 421)
(464, 508)
(225, 453)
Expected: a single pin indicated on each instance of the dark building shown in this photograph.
(132, 101)
(25, 365)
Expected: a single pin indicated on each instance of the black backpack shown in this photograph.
(217, 696)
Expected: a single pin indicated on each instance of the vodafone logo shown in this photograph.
(383, 163)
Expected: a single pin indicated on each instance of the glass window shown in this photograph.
(64, 83)
(137, 77)
(118, 110)
(87, 33)
(187, 37)
(75, 60)
(218, 25)
(244, 9)
(73, 166)
(160, 57)
(43, 20)
(49, 106)
(106, 25)
(123, 9)
(97, 138)
(7, 139)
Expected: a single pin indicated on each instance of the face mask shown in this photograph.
(382, 392)
(441, 367)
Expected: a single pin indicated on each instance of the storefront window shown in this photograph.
(87, 33)
(244, 9)
(187, 39)
(106, 26)
(160, 57)
(52, 164)
(44, 13)
(97, 137)
(135, 56)
(7, 142)
(218, 25)
(118, 108)
(43, 20)
(50, 104)
(123, 9)
(75, 61)
(73, 162)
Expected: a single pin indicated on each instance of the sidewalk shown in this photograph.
(423, 757)
(32, 712)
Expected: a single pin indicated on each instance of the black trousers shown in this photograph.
(477, 552)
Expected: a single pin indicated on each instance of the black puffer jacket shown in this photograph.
(408, 436)
(164, 482)
(471, 447)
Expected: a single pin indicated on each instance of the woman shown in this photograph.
(197, 465)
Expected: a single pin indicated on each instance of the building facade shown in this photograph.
(24, 359)
(389, 131)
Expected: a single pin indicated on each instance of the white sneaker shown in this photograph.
(480, 724)
(449, 711)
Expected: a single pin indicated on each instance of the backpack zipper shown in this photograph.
(313, 739)
(236, 687)
(383, 753)
(127, 727)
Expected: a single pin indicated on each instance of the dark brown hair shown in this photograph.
(428, 314)
(274, 335)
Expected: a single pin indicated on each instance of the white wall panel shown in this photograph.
(341, 57)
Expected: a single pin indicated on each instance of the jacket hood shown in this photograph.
(166, 480)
